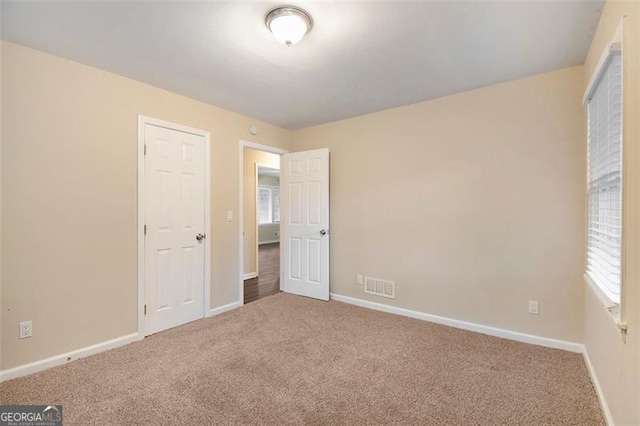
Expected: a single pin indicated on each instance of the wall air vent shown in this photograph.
(380, 287)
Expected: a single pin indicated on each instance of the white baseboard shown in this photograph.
(492, 331)
(224, 308)
(250, 275)
(478, 328)
(61, 359)
(596, 384)
(269, 242)
(54, 361)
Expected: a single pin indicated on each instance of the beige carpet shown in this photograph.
(291, 360)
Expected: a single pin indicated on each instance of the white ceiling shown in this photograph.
(360, 57)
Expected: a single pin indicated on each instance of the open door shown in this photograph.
(304, 183)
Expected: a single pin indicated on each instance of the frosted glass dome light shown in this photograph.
(288, 24)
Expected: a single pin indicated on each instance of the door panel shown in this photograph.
(174, 200)
(305, 223)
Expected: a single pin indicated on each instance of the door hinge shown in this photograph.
(145, 309)
(145, 149)
(145, 230)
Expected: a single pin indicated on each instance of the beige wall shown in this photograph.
(268, 234)
(616, 362)
(268, 180)
(472, 203)
(250, 244)
(69, 199)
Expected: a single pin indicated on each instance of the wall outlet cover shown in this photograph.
(26, 329)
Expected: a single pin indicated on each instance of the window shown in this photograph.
(268, 205)
(604, 239)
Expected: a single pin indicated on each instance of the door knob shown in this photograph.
(200, 237)
(324, 232)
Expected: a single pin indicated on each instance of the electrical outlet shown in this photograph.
(533, 307)
(26, 328)
(359, 279)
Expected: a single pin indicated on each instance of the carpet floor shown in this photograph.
(291, 360)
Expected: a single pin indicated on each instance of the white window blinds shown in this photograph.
(604, 240)
(264, 205)
(268, 205)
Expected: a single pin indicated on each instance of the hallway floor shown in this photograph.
(268, 281)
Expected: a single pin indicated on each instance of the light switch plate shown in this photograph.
(229, 215)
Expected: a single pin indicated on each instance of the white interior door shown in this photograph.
(175, 223)
(304, 183)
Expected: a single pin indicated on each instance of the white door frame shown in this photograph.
(142, 121)
(259, 147)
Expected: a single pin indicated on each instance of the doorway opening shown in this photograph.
(303, 216)
(260, 216)
(262, 270)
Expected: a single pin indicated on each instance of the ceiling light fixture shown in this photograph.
(288, 24)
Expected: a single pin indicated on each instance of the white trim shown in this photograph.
(56, 360)
(141, 213)
(142, 120)
(255, 205)
(615, 45)
(250, 275)
(241, 146)
(464, 325)
(596, 384)
(613, 309)
(268, 242)
(207, 223)
(224, 308)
